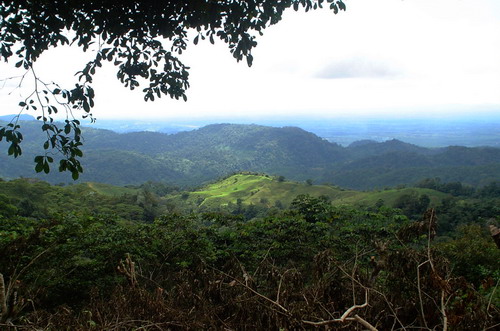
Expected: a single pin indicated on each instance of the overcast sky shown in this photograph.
(379, 58)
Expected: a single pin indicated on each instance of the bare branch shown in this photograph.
(365, 323)
(253, 291)
(3, 299)
(127, 268)
(389, 304)
(345, 316)
(443, 311)
(491, 295)
(420, 293)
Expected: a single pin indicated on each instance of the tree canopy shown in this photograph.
(141, 38)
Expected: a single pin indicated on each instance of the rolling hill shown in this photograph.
(192, 158)
(269, 191)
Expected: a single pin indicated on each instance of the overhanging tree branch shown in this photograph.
(129, 35)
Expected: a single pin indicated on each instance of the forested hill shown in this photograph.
(193, 157)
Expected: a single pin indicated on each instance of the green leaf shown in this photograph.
(63, 165)
(334, 7)
(86, 106)
(249, 60)
(39, 167)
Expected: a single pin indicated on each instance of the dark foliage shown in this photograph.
(79, 261)
(213, 271)
(142, 38)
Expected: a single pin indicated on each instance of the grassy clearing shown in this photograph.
(268, 191)
(234, 185)
(252, 189)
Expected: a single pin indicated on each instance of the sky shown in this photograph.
(384, 58)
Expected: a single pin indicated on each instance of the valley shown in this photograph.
(192, 158)
(249, 165)
(257, 225)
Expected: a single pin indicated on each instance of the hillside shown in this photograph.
(35, 198)
(195, 157)
(266, 191)
(116, 256)
(261, 190)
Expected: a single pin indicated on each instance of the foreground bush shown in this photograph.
(302, 269)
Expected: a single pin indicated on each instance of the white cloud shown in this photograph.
(388, 56)
(357, 67)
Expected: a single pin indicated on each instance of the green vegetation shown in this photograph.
(250, 189)
(34, 198)
(247, 252)
(191, 159)
(267, 191)
(110, 190)
(96, 257)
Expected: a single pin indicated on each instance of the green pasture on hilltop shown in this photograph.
(269, 191)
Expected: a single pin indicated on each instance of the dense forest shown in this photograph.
(246, 227)
(248, 251)
(192, 158)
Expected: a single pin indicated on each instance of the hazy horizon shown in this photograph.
(377, 59)
(425, 131)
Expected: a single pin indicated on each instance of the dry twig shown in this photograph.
(345, 316)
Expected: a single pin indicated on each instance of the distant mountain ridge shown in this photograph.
(194, 157)
(22, 117)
